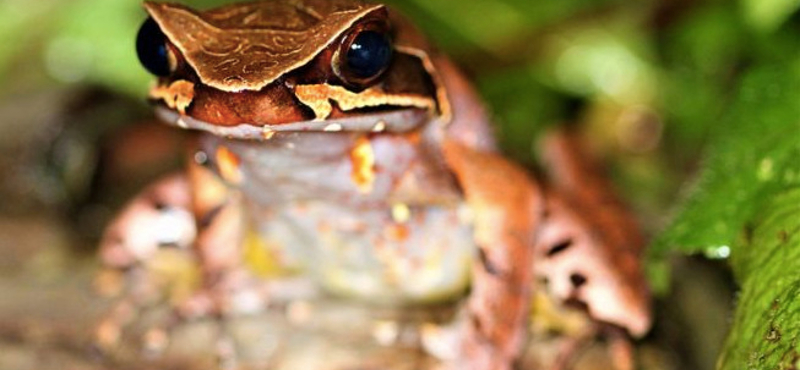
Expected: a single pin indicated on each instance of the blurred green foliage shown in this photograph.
(767, 15)
(657, 82)
(747, 206)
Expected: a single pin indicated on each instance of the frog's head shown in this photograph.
(248, 70)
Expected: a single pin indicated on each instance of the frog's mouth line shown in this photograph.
(398, 121)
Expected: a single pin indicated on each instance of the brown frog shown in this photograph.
(337, 149)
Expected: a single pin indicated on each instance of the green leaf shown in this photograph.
(521, 108)
(747, 205)
(459, 25)
(766, 330)
(753, 156)
(768, 15)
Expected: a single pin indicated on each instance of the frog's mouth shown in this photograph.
(396, 121)
(282, 107)
(394, 105)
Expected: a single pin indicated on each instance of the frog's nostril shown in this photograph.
(578, 280)
(560, 247)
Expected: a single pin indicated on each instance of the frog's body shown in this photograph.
(393, 243)
(376, 177)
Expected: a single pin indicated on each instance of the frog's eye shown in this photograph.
(363, 56)
(153, 51)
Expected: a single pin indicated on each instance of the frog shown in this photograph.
(335, 151)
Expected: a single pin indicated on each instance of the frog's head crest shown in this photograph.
(280, 65)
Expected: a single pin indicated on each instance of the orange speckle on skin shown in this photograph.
(363, 160)
(324, 227)
(228, 165)
(396, 232)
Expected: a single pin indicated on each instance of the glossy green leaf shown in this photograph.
(747, 206)
(766, 330)
(753, 156)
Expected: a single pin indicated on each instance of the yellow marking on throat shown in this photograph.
(362, 158)
(318, 97)
(262, 257)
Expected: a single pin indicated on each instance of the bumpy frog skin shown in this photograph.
(386, 188)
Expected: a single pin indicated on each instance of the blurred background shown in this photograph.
(652, 83)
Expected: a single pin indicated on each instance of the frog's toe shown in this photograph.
(227, 353)
(108, 332)
(440, 341)
(155, 342)
(107, 335)
(201, 304)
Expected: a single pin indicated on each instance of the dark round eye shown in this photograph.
(365, 56)
(152, 49)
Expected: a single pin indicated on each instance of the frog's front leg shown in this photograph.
(178, 242)
(217, 203)
(506, 207)
(146, 253)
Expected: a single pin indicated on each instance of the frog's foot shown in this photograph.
(108, 332)
(441, 342)
(156, 339)
(450, 344)
(148, 261)
(234, 294)
(122, 317)
(618, 345)
(147, 319)
(457, 348)
(227, 353)
(620, 348)
(572, 347)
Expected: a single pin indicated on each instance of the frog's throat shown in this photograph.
(398, 121)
